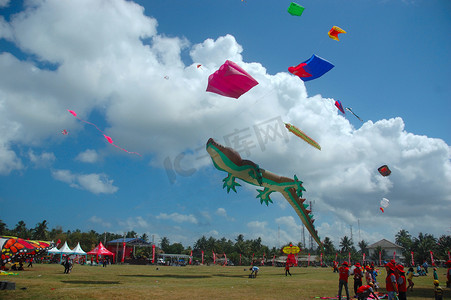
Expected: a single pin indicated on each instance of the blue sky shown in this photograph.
(130, 68)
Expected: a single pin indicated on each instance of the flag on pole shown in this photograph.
(432, 259)
(191, 257)
(214, 257)
(153, 254)
(202, 256)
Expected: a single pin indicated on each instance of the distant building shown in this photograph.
(392, 251)
(117, 247)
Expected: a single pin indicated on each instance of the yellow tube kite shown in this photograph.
(302, 135)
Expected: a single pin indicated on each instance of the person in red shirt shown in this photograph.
(365, 291)
(390, 281)
(357, 277)
(401, 281)
(343, 274)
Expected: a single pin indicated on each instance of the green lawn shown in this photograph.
(191, 282)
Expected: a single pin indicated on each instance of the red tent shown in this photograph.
(101, 250)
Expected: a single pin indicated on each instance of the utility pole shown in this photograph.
(351, 233)
(358, 222)
(303, 235)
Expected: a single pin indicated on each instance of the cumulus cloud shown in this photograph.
(178, 218)
(94, 183)
(44, 159)
(88, 156)
(99, 221)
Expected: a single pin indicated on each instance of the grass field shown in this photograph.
(192, 282)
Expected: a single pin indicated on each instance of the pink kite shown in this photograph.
(109, 139)
(230, 81)
(64, 132)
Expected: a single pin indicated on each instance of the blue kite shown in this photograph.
(312, 68)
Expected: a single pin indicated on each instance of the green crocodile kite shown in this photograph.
(228, 160)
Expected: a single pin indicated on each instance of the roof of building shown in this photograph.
(384, 244)
(129, 241)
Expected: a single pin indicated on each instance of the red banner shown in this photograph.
(413, 262)
(123, 252)
(153, 254)
(191, 258)
(363, 259)
(432, 259)
(202, 256)
(225, 259)
(240, 259)
(214, 257)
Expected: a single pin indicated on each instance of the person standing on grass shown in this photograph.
(287, 269)
(390, 281)
(401, 281)
(357, 277)
(343, 274)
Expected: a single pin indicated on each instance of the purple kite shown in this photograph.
(338, 105)
(312, 68)
(230, 81)
(109, 139)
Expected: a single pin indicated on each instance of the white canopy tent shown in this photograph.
(78, 251)
(54, 250)
(65, 250)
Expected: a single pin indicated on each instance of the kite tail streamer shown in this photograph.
(109, 139)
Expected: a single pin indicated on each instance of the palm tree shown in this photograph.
(363, 247)
(422, 245)
(346, 244)
(329, 248)
(40, 231)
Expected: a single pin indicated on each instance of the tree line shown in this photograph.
(240, 248)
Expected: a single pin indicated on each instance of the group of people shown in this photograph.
(397, 281)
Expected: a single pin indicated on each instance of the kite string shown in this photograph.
(107, 137)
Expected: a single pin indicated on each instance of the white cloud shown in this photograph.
(44, 159)
(135, 224)
(94, 183)
(100, 221)
(4, 3)
(88, 156)
(8, 160)
(178, 218)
